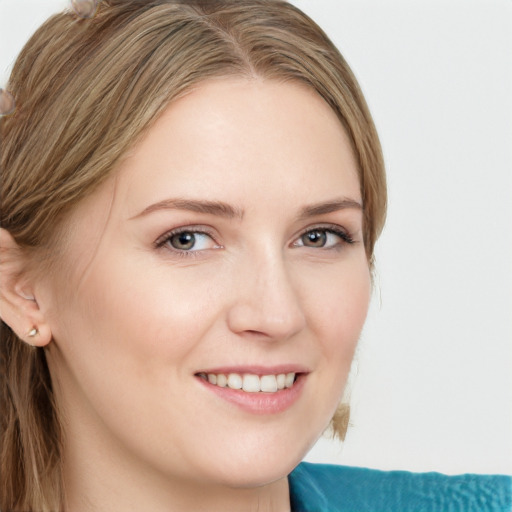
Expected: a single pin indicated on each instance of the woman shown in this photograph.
(191, 196)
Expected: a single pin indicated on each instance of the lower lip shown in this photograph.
(261, 402)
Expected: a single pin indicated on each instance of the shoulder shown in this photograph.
(329, 488)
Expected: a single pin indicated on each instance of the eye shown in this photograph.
(317, 238)
(187, 240)
(323, 238)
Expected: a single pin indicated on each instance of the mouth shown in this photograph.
(256, 390)
(250, 382)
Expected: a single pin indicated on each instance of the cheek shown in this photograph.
(337, 315)
(340, 304)
(130, 330)
(135, 326)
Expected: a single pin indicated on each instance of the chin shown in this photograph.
(250, 475)
(249, 464)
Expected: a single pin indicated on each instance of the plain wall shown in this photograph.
(433, 386)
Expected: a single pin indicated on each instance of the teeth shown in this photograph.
(268, 383)
(251, 383)
(222, 380)
(234, 381)
(289, 380)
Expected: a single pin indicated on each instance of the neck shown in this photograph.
(113, 495)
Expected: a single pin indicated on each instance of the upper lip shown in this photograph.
(257, 369)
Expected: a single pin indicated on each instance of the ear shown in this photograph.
(18, 304)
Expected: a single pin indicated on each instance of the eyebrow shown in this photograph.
(222, 209)
(329, 207)
(217, 208)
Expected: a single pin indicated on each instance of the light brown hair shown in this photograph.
(86, 90)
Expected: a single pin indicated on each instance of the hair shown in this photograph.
(86, 90)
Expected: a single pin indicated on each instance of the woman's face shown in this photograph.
(227, 247)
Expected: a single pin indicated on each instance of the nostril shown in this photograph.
(255, 333)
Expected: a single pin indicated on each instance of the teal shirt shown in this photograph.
(328, 488)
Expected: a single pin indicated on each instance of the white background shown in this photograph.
(433, 387)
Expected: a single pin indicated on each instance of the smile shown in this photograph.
(256, 389)
(251, 383)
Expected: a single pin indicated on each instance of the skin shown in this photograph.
(132, 323)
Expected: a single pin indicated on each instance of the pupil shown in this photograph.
(183, 241)
(316, 238)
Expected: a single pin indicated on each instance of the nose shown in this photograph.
(265, 302)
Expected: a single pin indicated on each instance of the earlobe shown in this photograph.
(18, 304)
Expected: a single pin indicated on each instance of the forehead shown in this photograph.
(228, 137)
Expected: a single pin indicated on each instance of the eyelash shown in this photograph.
(165, 239)
(333, 229)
